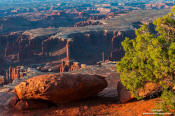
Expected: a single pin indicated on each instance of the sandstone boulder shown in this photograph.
(15, 103)
(149, 90)
(60, 88)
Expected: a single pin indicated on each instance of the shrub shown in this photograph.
(150, 57)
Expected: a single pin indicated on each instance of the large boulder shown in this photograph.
(150, 89)
(60, 88)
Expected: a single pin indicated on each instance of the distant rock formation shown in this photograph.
(87, 23)
(2, 80)
(68, 66)
(49, 50)
(97, 17)
(12, 74)
(157, 5)
(17, 73)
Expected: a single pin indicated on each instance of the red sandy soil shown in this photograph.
(94, 107)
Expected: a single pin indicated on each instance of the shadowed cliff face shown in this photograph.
(21, 48)
(85, 48)
(89, 47)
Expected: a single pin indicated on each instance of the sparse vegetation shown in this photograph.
(151, 58)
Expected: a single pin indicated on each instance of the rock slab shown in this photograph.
(60, 88)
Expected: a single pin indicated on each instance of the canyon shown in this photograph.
(67, 49)
(59, 57)
(86, 48)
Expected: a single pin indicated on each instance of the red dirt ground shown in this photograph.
(94, 107)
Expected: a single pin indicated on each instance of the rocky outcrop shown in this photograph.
(157, 6)
(1, 80)
(60, 88)
(87, 23)
(12, 74)
(97, 17)
(68, 66)
(149, 90)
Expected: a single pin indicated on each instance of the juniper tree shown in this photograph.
(150, 57)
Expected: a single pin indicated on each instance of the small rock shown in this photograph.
(31, 104)
(123, 94)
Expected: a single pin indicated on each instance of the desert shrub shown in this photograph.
(168, 100)
(150, 57)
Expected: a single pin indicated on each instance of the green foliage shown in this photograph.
(168, 100)
(150, 57)
(173, 10)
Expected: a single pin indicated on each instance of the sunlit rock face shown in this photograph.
(60, 88)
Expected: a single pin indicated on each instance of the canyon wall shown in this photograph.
(48, 51)
(22, 48)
